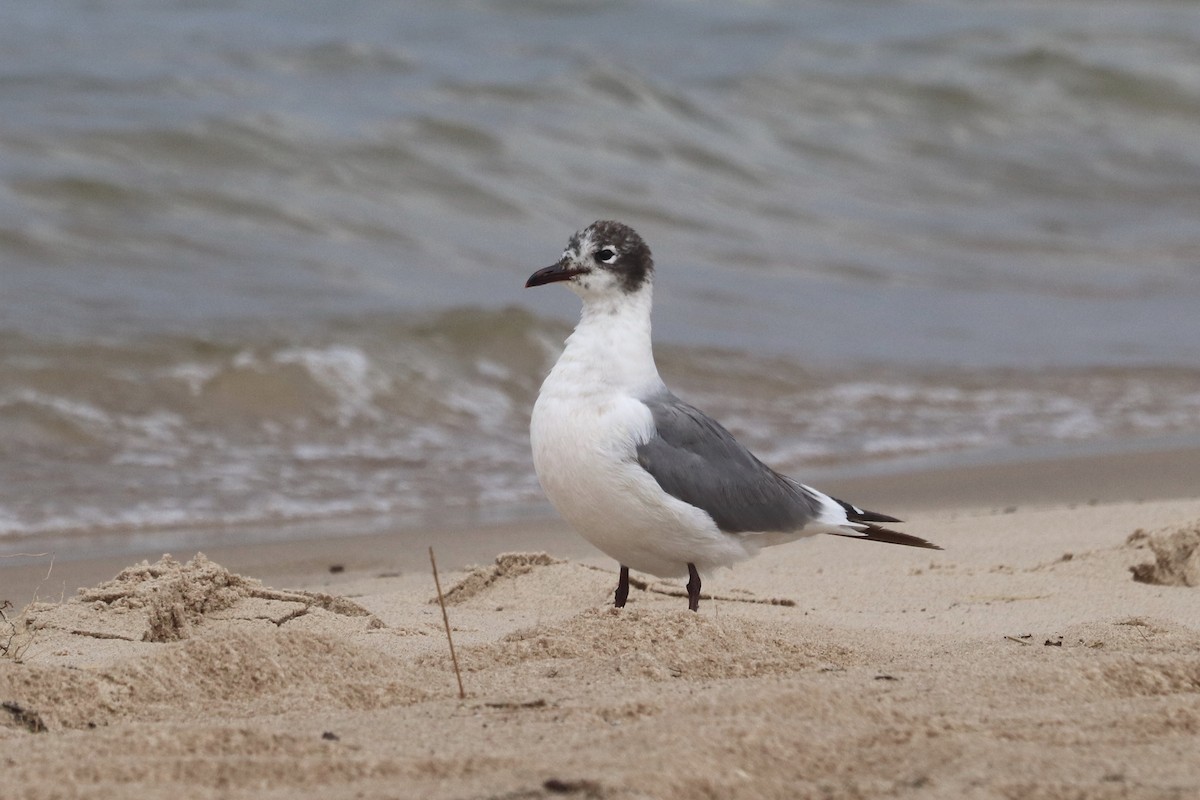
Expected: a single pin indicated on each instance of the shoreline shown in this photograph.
(1108, 476)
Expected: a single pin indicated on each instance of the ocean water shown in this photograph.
(261, 263)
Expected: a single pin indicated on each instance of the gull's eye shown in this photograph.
(606, 255)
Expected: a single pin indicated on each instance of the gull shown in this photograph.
(650, 480)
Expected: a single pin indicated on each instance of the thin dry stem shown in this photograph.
(10, 645)
(49, 568)
(462, 694)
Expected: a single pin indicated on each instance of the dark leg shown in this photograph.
(693, 587)
(622, 587)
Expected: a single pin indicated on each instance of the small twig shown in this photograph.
(7, 648)
(1015, 639)
(539, 703)
(671, 591)
(28, 718)
(462, 694)
(104, 635)
(10, 646)
(49, 569)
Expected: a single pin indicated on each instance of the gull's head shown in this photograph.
(605, 260)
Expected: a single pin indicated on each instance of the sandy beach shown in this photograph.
(1052, 650)
(270, 331)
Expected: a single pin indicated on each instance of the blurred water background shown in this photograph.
(261, 263)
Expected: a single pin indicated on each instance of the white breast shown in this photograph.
(585, 454)
(585, 446)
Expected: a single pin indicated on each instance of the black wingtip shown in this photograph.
(856, 514)
(874, 533)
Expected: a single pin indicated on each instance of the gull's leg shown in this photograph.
(693, 587)
(622, 587)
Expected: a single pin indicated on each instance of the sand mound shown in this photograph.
(168, 601)
(233, 647)
(229, 674)
(508, 566)
(1176, 556)
(1152, 676)
(171, 597)
(1139, 635)
(662, 644)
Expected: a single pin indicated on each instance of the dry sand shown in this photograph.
(1050, 651)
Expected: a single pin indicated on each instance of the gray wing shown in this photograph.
(697, 461)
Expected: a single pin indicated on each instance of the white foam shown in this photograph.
(72, 409)
(347, 373)
(194, 376)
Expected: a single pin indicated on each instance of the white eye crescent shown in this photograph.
(606, 255)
